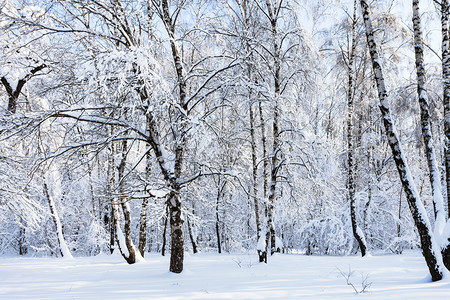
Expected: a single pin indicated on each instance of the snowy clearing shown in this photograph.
(213, 276)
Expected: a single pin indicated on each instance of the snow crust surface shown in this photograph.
(213, 276)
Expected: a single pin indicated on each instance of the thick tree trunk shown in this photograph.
(131, 259)
(430, 249)
(176, 232)
(357, 232)
(121, 239)
(176, 222)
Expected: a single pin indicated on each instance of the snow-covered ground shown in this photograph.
(213, 276)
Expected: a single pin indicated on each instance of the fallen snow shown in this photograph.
(214, 276)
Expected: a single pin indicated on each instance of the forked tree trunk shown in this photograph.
(14, 93)
(430, 249)
(357, 232)
(119, 237)
(131, 259)
(123, 238)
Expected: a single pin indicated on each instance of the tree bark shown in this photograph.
(246, 14)
(64, 250)
(176, 222)
(143, 226)
(430, 249)
(164, 240)
(272, 13)
(446, 101)
(219, 195)
(131, 257)
(425, 119)
(446, 91)
(13, 94)
(191, 236)
(357, 232)
(254, 194)
(176, 233)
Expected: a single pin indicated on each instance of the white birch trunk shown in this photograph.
(357, 232)
(435, 178)
(65, 252)
(430, 248)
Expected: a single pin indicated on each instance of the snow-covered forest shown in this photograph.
(225, 126)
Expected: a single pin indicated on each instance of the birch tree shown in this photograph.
(426, 123)
(357, 232)
(430, 248)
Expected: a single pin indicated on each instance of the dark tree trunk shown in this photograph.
(430, 249)
(22, 247)
(219, 244)
(143, 226)
(164, 241)
(112, 230)
(176, 225)
(191, 236)
(13, 94)
(221, 187)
